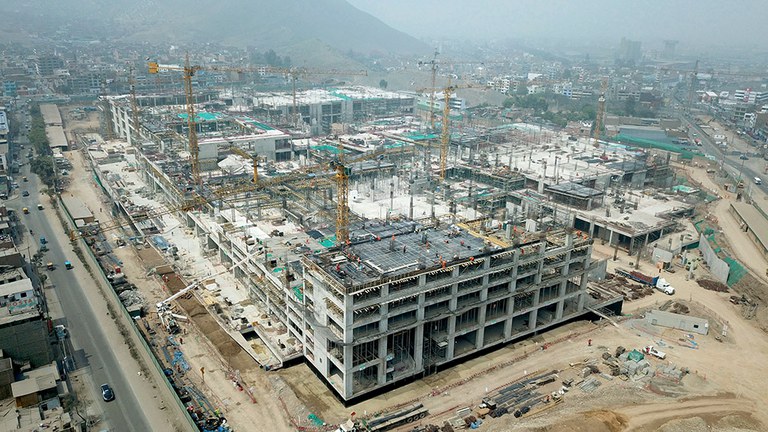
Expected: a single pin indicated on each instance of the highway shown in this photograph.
(78, 296)
(737, 167)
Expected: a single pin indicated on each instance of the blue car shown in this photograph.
(106, 393)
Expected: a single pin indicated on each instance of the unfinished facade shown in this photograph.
(403, 300)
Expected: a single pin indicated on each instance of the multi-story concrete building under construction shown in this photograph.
(402, 300)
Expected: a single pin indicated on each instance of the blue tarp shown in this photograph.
(160, 242)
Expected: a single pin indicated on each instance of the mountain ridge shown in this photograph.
(263, 24)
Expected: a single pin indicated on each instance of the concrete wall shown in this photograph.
(719, 268)
(662, 255)
(599, 270)
(677, 321)
(27, 340)
(6, 378)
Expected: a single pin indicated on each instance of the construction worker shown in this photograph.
(589, 342)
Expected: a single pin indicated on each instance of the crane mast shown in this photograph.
(600, 112)
(134, 105)
(433, 65)
(194, 149)
(188, 72)
(342, 200)
(445, 137)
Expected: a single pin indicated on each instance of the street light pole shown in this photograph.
(741, 169)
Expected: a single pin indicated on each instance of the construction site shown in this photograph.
(334, 251)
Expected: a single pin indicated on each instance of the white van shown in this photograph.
(758, 180)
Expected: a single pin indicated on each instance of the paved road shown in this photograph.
(86, 332)
(736, 166)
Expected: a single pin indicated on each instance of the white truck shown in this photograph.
(664, 286)
(650, 350)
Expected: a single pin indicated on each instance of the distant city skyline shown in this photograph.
(695, 23)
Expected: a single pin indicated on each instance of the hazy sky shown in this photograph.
(693, 22)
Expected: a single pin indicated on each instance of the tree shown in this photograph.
(43, 167)
(383, 84)
(629, 106)
(587, 112)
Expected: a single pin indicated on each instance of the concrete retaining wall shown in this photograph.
(719, 268)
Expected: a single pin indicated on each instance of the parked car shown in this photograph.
(25, 194)
(106, 393)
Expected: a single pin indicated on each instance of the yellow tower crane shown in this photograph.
(189, 71)
(342, 198)
(445, 135)
(240, 152)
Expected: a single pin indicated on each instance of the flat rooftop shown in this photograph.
(3, 123)
(56, 136)
(555, 158)
(17, 286)
(51, 114)
(76, 208)
(36, 380)
(316, 96)
(383, 249)
(651, 213)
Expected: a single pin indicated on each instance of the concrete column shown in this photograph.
(559, 311)
(449, 350)
(481, 330)
(382, 375)
(480, 338)
(508, 325)
(418, 348)
(515, 261)
(532, 316)
(348, 371)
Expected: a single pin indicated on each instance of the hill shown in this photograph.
(262, 24)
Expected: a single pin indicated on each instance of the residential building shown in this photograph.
(630, 51)
(46, 65)
(23, 328)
